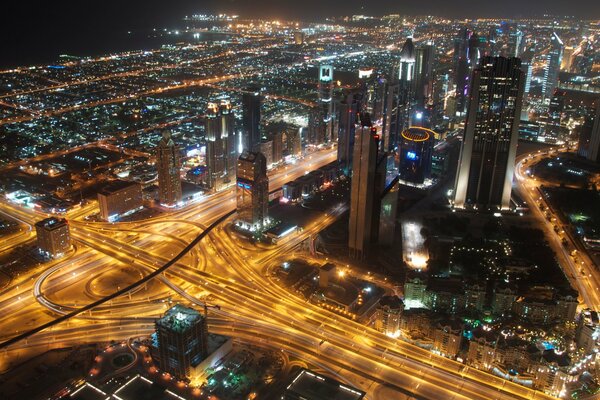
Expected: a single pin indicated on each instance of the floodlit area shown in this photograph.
(414, 252)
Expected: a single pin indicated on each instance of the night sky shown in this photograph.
(32, 31)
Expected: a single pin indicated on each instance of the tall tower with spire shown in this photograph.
(400, 97)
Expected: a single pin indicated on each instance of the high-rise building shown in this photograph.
(423, 81)
(589, 136)
(299, 38)
(317, 128)
(251, 103)
(266, 148)
(552, 67)
(552, 120)
(400, 97)
(466, 58)
(221, 145)
(348, 110)
(326, 100)
(278, 146)
(373, 92)
(368, 179)
(119, 198)
(416, 148)
(388, 214)
(516, 43)
(486, 166)
(567, 59)
(168, 165)
(527, 67)
(182, 335)
(252, 191)
(53, 237)
(294, 142)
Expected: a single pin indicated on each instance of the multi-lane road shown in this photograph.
(232, 272)
(586, 282)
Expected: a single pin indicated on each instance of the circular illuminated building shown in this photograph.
(416, 148)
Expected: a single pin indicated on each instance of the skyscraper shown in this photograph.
(466, 58)
(251, 102)
(53, 236)
(221, 154)
(325, 100)
(373, 89)
(182, 335)
(348, 110)
(368, 179)
(423, 82)
(486, 166)
(552, 67)
(527, 67)
(589, 136)
(252, 190)
(516, 43)
(316, 129)
(168, 164)
(400, 97)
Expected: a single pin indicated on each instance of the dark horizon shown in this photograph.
(33, 35)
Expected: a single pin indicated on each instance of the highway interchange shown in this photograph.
(232, 273)
(225, 270)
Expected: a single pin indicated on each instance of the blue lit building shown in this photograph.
(416, 148)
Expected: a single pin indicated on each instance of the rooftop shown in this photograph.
(312, 386)
(179, 318)
(116, 186)
(51, 223)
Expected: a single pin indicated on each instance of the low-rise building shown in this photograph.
(388, 315)
(447, 338)
(118, 199)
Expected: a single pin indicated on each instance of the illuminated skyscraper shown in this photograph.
(368, 179)
(221, 154)
(516, 43)
(423, 81)
(373, 89)
(486, 166)
(168, 165)
(252, 190)
(400, 96)
(552, 67)
(527, 67)
(251, 103)
(182, 335)
(326, 100)
(466, 58)
(348, 110)
(53, 236)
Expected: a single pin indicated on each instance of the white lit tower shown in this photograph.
(400, 96)
(552, 67)
(326, 100)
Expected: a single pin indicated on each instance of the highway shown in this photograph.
(587, 283)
